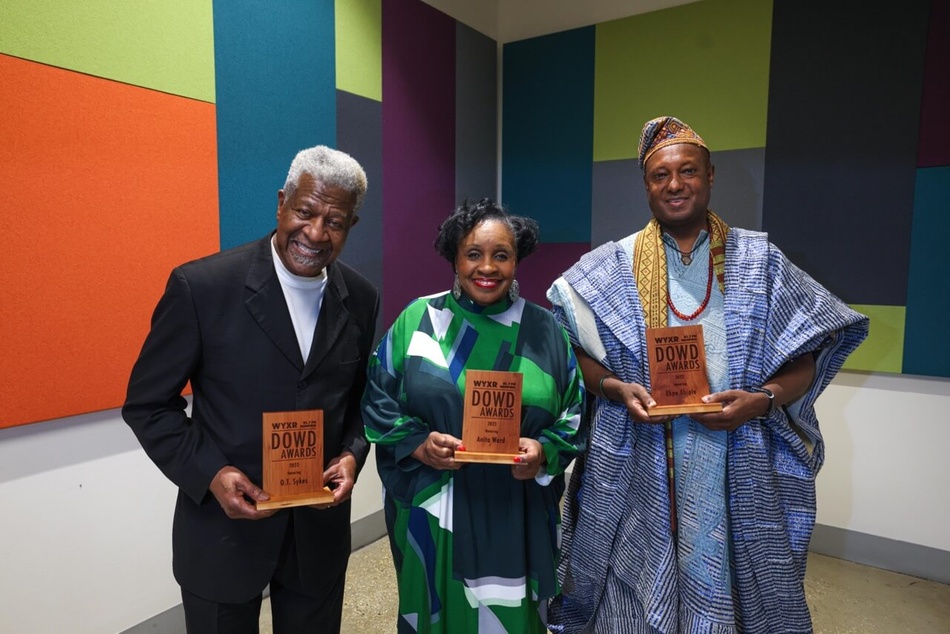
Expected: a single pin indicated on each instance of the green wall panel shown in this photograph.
(706, 63)
(883, 350)
(165, 45)
(359, 57)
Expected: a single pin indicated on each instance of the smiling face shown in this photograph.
(312, 225)
(678, 181)
(486, 261)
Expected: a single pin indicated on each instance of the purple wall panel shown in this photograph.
(418, 148)
(545, 265)
(934, 149)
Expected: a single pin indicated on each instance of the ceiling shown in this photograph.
(511, 20)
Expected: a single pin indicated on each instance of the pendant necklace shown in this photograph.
(687, 258)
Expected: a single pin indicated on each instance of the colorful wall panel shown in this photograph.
(476, 119)
(104, 185)
(136, 137)
(165, 46)
(276, 93)
(827, 128)
(548, 125)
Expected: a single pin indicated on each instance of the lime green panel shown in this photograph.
(165, 45)
(706, 63)
(359, 46)
(883, 350)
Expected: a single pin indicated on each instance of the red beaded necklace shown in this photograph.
(702, 307)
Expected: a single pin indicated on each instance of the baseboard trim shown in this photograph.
(871, 550)
(881, 552)
(171, 621)
(367, 530)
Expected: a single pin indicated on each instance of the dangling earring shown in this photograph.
(457, 288)
(514, 291)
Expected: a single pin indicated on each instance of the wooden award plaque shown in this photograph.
(491, 423)
(293, 459)
(678, 371)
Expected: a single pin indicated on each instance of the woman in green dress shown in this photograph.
(475, 545)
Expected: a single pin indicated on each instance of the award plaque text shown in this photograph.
(293, 459)
(491, 423)
(678, 379)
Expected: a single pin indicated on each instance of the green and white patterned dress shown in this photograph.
(475, 549)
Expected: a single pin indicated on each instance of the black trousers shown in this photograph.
(293, 611)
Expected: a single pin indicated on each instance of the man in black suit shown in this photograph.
(273, 325)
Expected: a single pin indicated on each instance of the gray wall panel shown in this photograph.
(360, 134)
(619, 202)
(737, 189)
(476, 115)
(844, 106)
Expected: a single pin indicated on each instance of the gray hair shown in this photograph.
(330, 167)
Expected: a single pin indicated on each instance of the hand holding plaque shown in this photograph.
(491, 423)
(678, 379)
(293, 459)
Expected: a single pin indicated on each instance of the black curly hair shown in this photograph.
(468, 215)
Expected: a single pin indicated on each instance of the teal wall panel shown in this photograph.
(548, 132)
(926, 345)
(276, 94)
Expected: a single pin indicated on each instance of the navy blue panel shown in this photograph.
(548, 132)
(844, 104)
(360, 134)
(275, 89)
(476, 114)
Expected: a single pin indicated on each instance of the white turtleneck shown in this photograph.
(304, 296)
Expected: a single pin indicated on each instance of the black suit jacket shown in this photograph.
(224, 325)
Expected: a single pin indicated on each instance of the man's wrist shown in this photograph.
(769, 394)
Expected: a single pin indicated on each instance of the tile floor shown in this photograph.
(844, 597)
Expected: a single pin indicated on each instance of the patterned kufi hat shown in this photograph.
(663, 131)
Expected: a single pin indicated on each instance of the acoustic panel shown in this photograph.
(548, 125)
(476, 115)
(883, 350)
(927, 347)
(706, 63)
(418, 148)
(276, 94)
(360, 134)
(842, 143)
(359, 41)
(738, 187)
(105, 187)
(934, 143)
(619, 202)
(537, 272)
(166, 46)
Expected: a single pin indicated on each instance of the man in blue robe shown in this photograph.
(695, 523)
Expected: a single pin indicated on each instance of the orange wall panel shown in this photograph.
(104, 187)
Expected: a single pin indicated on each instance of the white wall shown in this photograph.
(886, 458)
(85, 539)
